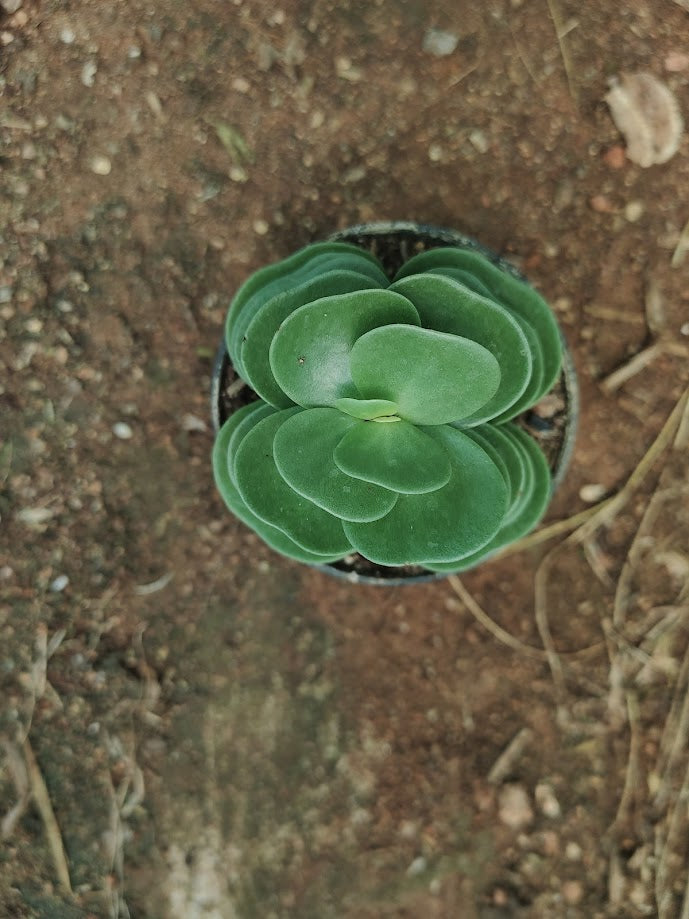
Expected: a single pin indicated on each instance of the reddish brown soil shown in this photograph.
(223, 733)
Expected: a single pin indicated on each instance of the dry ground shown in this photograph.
(194, 727)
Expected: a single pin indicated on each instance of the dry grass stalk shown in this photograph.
(633, 366)
(502, 766)
(561, 32)
(40, 795)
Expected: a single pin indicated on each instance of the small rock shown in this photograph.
(10, 6)
(633, 211)
(601, 204)
(418, 866)
(193, 423)
(122, 430)
(573, 892)
(5, 294)
(241, 85)
(547, 802)
(67, 36)
(435, 153)
(647, 113)
(101, 165)
(34, 516)
(592, 493)
(88, 73)
(676, 61)
(479, 140)
(439, 43)
(514, 807)
(261, 227)
(59, 583)
(615, 157)
(573, 852)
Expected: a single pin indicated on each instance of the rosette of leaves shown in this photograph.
(383, 423)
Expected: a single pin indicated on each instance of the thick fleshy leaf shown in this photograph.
(310, 353)
(274, 279)
(267, 494)
(478, 436)
(465, 278)
(303, 451)
(517, 465)
(250, 415)
(275, 538)
(446, 305)
(255, 348)
(366, 409)
(529, 509)
(441, 525)
(395, 455)
(433, 377)
(505, 289)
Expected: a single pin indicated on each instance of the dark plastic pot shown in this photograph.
(394, 243)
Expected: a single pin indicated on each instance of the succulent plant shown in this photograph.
(383, 423)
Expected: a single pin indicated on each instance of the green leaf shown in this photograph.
(281, 276)
(530, 505)
(433, 377)
(441, 525)
(366, 409)
(275, 538)
(245, 419)
(397, 456)
(446, 305)
(310, 353)
(255, 348)
(506, 289)
(516, 464)
(303, 451)
(271, 499)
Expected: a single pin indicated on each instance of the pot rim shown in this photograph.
(567, 375)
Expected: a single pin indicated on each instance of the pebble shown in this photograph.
(67, 36)
(573, 892)
(601, 204)
(676, 61)
(439, 43)
(33, 516)
(418, 866)
(633, 211)
(101, 165)
(573, 851)
(59, 583)
(615, 157)
(479, 141)
(10, 6)
(592, 493)
(193, 423)
(122, 430)
(88, 73)
(261, 227)
(5, 294)
(514, 807)
(547, 802)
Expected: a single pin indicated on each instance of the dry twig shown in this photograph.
(45, 809)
